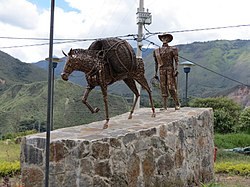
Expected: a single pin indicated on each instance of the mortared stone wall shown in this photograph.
(173, 149)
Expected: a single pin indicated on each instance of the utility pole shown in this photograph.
(50, 95)
(141, 19)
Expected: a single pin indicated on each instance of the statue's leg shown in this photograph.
(85, 97)
(131, 84)
(165, 102)
(174, 95)
(105, 99)
(172, 90)
(143, 82)
(164, 88)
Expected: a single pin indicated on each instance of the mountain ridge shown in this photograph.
(14, 71)
(26, 104)
(24, 90)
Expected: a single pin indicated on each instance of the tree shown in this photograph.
(226, 112)
(244, 120)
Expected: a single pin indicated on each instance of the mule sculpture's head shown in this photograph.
(69, 66)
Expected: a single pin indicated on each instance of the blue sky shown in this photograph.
(47, 4)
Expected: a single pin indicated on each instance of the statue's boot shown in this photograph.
(176, 100)
(177, 106)
(165, 103)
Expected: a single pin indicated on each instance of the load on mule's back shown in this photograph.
(105, 62)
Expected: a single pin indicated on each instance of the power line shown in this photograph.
(204, 67)
(199, 29)
(214, 71)
(73, 40)
(63, 39)
(62, 42)
(134, 38)
(40, 44)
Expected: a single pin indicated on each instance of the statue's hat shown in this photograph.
(164, 35)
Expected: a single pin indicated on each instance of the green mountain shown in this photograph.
(219, 65)
(24, 106)
(216, 63)
(13, 71)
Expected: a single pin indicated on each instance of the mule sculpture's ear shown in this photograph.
(64, 53)
(71, 52)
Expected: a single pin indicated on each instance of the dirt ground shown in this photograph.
(225, 180)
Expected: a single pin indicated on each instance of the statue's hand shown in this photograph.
(156, 77)
(176, 73)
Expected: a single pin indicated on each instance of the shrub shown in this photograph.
(244, 120)
(231, 168)
(226, 112)
(18, 134)
(9, 168)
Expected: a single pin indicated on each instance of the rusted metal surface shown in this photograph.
(166, 60)
(105, 62)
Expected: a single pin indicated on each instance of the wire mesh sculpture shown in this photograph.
(105, 62)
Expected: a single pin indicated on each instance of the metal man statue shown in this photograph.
(166, 57)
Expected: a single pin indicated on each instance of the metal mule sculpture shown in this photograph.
(105, 62)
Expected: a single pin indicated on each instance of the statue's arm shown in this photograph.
(176, 57)
(156, 64)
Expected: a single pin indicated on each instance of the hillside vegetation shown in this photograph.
(24, 106)
(23, 99)
(228, 58)
(13, 71)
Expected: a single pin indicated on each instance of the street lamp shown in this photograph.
(187, 68)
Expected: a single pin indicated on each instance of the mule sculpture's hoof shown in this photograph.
(106, 125)
(130, 116)
(96, 110)
(178, 107)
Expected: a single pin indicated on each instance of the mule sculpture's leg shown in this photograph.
(131, 84)
(143, 82)
(105, 99)
(85, 97)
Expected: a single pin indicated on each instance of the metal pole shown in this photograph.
(139, 46)
(140, 30)
(186, 101)
(50, 95)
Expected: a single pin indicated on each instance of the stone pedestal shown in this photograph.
(174, 149)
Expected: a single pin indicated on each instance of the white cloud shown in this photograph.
(18, 13)
(105, 18)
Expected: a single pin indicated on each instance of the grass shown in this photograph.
(225, 156)
(228, 161)
(9, 158)
(230, 141)
(10, 151)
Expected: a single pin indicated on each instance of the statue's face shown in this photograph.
(165, 39)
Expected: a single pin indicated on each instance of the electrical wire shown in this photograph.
(62, 41)
(199, 29)
(226, 77)
(148, 34)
